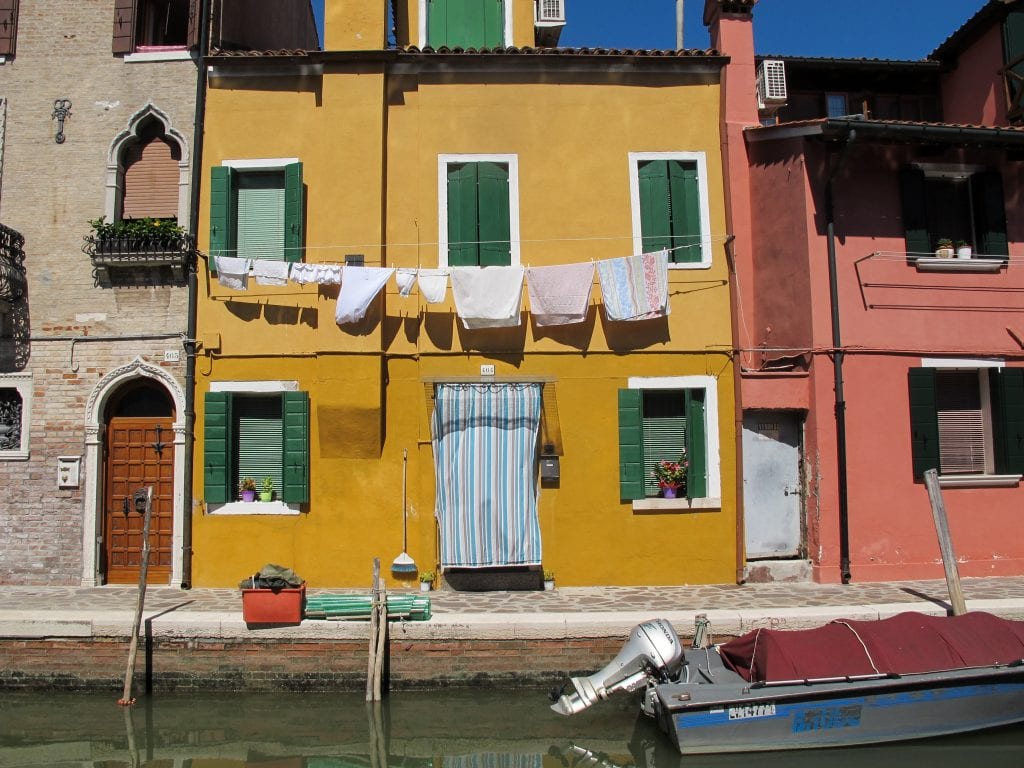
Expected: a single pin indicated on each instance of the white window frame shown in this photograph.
(506, 32)
(443, 161)
(712, 448)
(980, 365)
(22, 382)
(276, 507)
(700, 158)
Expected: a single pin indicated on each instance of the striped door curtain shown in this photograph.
(485, 456)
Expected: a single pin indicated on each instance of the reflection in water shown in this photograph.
(438, 729)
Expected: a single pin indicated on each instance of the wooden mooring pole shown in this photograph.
(956, 595)
(126, 699)
(378, 636)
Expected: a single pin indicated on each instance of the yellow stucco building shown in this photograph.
(489, 444)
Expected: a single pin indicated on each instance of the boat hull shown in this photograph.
(744, 718)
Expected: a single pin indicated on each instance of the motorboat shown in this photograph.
(846, 683)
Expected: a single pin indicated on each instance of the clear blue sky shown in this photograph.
(885, 29)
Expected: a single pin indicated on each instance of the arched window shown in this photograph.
(150, 176)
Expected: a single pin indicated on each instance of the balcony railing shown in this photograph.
(139, 251)
(12, 265)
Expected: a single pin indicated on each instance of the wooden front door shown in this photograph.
(140, 453)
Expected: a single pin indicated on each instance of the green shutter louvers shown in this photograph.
(217, 452)
(631, 444)
(295, 408)
(924, 421)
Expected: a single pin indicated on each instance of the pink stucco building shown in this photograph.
(868, 353)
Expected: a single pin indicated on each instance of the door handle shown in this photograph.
(126, 506)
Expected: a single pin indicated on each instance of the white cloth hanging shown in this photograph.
(406, 279)
(560, 295)
(359, 288)
(270, 271)
(233, 272)
(488, 297)
(304, 274)
(433, 285)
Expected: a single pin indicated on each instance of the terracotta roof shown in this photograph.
(265, 54)
(527, 51)
(851, 63)
(992, 12)
(905, 131)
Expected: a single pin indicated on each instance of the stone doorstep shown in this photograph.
(489, 627)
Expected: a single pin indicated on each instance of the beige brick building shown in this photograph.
(98, 110)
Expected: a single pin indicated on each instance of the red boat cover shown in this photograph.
(905, 643)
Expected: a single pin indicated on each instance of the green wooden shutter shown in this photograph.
(493, 24)
(261, 201)
(655, 212)
(1007, 387)
(924, 421)
(293, 210)
(296, 446)
(990, 214)
(259, 438)
(222, 219)
(915, 213)
(437, 23)
(493, 210)
(684, 191)
(1013, 49)
(463, 216)
(631, 444)
(217, 475)
(696, 445)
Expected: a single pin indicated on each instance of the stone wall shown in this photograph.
(211, 664)
(67, 327)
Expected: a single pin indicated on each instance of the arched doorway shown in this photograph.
(139, 451)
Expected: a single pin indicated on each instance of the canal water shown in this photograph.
(437, 729)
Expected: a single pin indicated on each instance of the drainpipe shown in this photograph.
(679, 25)
(837, 364)
(737, 385)
(193, 294)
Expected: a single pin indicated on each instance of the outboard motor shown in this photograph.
(653, 653)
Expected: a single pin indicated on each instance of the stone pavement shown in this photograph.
(27, 611)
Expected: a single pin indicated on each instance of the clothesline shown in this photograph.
(633, 287)
(389, 246)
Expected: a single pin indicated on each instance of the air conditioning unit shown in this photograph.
(550, 11)
(771, 84)
(549, 18)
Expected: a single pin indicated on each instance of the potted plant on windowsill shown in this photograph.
(963, 249)
(944, 248)
(426, 580)
(267, 489)
(671, 476)
(247, 489)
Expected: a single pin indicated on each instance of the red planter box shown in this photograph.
(267, 606)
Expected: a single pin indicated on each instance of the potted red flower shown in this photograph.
(671, 476)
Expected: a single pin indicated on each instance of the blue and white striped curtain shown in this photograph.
(485, 454)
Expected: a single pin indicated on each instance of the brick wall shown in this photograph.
(314, 665)
(48, 193)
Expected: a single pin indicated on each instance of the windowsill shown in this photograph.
(979, 481)
(170, 54)
(14, 455)
(935, 264)
(654, 505)
(253, 508)
(689, 265)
